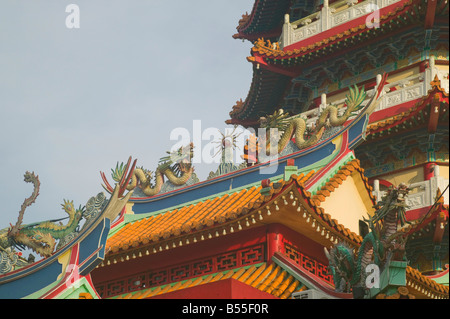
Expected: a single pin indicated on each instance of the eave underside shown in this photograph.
(267, 16)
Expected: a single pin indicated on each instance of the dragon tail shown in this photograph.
(29, 178)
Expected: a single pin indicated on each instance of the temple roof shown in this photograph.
(265, 20)
(351, 33)
(266, 91)
(424, 287)
(245, 208)
(292, 60)
(423, 113)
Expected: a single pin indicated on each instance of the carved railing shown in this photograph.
(422, 194)
(329, 17)
(167, 275)
(395, 93)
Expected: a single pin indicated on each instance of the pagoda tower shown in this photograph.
(314, 59)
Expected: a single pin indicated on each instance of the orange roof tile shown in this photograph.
(221, 209)
(240, 207)
(185, 219)
(424, 286)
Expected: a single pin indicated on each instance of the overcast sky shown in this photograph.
(74, 102)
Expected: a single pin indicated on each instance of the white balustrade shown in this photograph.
(329, 17)
(422, 194)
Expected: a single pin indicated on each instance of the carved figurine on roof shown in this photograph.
(46, 236)
(228, 145)
(384, 243)
(176, 167)
(287, 127)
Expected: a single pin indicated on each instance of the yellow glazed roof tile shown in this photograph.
(196, 216)
(226, 208)
(230, 208)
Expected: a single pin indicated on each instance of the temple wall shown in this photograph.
(345, 211)
(407, 176)
(444, 171)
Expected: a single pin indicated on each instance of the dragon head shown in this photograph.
(29, 177)
(179, 160)
(69, 208)
(278, 120)
(395, 198)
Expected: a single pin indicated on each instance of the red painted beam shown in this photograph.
(439, 229)
(222, 289)
(431, 11)
(244, 123)
(260, 62)
(343, 27)
(434, 114)
(428, 170)
(392, 111)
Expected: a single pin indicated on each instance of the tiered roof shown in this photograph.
(342, 37)
(230, 212)
(430, 111)
(265, 20)
(396, 20)
(284, 202)
(295, 203)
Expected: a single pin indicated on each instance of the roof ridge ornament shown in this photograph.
(305, 136)
(436, 83)
(176, 167)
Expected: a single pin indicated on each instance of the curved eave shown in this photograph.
(265, 20)
(424, 287)
(287, 63)
(421, 114)
(266, 91)
(247, 209)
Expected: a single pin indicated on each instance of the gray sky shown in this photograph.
(74, 102)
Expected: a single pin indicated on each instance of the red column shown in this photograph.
(273, 241)
(428, 171)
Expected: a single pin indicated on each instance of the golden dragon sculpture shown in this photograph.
(176, 167)
(42, 237)
(306, 137)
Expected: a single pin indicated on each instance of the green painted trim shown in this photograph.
(318, 165)
(73, 292)
(442, 280)
(317, 186)
(289, 171)
(80, 286)
(392, 277)
(130, 218)
(40, 292)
